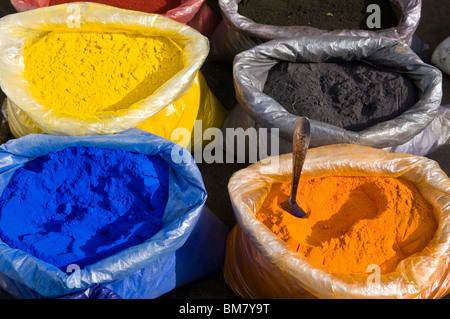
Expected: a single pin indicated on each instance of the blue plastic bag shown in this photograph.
(147, 270)
(95, 292)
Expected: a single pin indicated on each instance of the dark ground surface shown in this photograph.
(433, 29)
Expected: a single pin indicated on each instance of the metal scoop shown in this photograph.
(300, 143)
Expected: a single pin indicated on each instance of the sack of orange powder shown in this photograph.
(260, 264)
(176, 103)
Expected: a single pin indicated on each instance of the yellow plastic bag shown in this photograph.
(258, 264)
(177, 103)
(198, 103)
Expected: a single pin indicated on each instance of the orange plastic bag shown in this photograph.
(258, 264)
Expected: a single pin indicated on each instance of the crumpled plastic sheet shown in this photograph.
(95, 292)
(441, 56)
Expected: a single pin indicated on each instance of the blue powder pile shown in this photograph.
(82, 204)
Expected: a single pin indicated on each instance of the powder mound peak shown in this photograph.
(80, 204)
(352, 222)
(91, 72)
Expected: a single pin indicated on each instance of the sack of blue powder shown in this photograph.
(121, 211)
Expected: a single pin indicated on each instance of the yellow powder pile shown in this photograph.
(352, 222)
(87, 72)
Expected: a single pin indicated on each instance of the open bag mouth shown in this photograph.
(18, 30)
(414, 275)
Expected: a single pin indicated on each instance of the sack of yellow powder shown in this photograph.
(377, 225)
(86, 69)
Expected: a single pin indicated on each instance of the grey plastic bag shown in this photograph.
(237, 33)
(419, 130)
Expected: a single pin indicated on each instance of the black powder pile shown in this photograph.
(321, 14)
(351, 95)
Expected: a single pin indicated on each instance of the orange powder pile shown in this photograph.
(352, 222)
